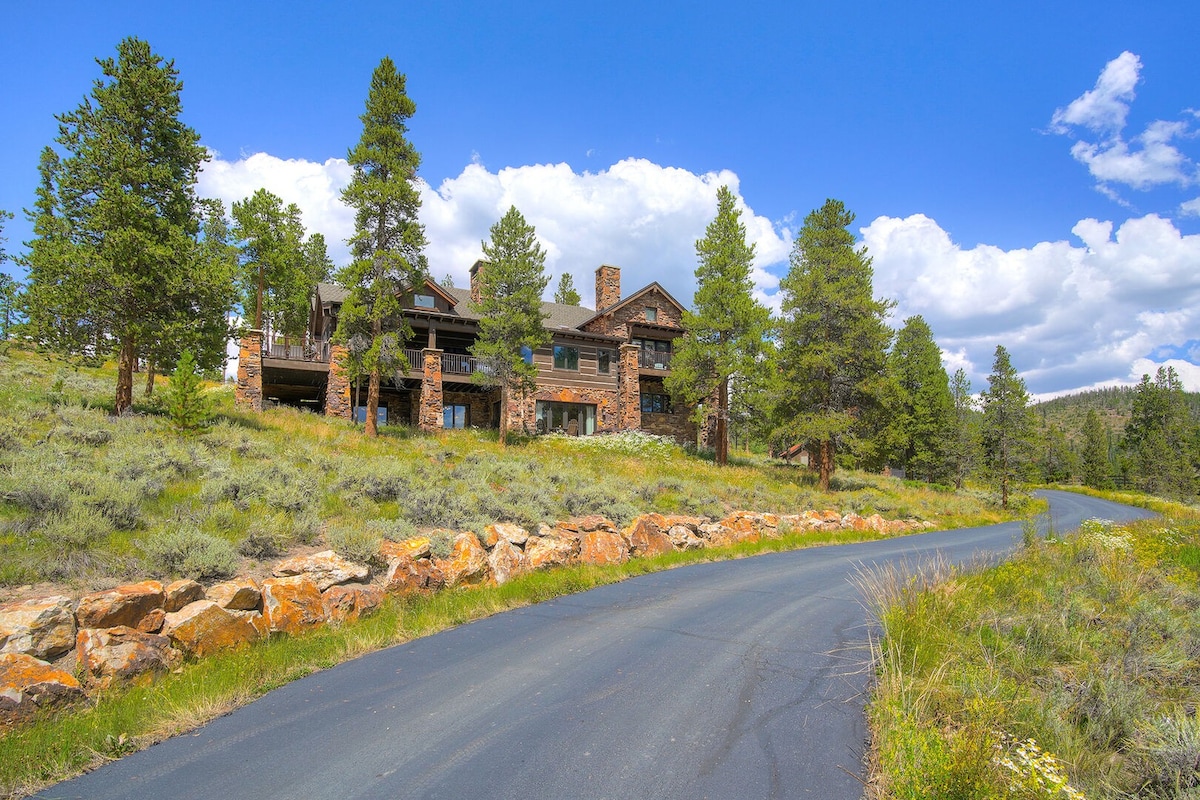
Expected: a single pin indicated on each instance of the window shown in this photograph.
(603, 361)
(455, 416)
(653, 345)
(656, 404)
(527, 355)
(423, 301)
(651, 314)
(573, 418)
(566, 357)
(360, 414)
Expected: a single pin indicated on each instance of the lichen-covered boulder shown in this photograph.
(551, 551)
(407, 575)
(239, 594)
(467, 564)
(506, 561)
(153, 621)
(42, 627)
(118, 654)
(350, 601)
(742, 526)
(121, 605)
(646, 536)
(178, 594)
(684, 538)
(415, 548)
(326, 569)
(203, 627)
(603, 547)
(588, 524)
(292, 604)
(507, 531)
(28, 684)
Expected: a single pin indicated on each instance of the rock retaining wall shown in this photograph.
(54, 649)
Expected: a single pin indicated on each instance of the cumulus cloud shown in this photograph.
(1072, 314)
(636, 214)
(1151, 158)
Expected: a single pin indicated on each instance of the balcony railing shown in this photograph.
(654, 359)
(299, 351)
(452, 363)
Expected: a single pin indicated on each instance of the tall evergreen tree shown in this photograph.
(565, 294)
(119, 214)
(964, 438)
(275, 278)
(1095, 452)
(388, 243)
(9, 288)
(833, 339)
(724, 332)
(511, 321)
(1008, 432)
(925, 414)
(1161, 435)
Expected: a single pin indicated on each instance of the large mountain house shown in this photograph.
(603, 370)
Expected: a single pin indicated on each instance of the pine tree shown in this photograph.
(511, 322)
(1161, 436)
(117, 209)
(724, 332)
(388, 240)
(9, 289)
(275, 277)
(964, 437)
(1008, 432)
(187, 407)
(833, 339)
(925, 414)
(565, 294)
(1095, 452)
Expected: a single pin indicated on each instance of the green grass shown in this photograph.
(1089, 646)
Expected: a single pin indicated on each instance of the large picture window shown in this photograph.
(566, 357)
(656, 404)
(577, 419)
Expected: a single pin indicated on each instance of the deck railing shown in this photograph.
(452, 363)
(299, 351)
(654, 359)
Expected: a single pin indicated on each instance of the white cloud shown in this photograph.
(1189, 373)
(1190, 208)
(636, 214)
(1071, 315)
(1105, 107)
(1152, 158)
(314, 187)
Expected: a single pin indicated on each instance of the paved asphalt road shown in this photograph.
(742, 679)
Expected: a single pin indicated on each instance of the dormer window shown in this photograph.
(423, 301)
(651, 314)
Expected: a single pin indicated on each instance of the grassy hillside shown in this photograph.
(1069, 671)
(88, 499)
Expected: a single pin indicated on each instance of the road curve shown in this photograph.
(740, 679)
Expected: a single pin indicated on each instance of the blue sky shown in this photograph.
(1023, 174)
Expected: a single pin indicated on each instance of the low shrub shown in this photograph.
(357, 543)
(188, 552)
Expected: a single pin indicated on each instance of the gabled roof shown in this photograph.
(558, 316)
(332, 293)
(635, 296)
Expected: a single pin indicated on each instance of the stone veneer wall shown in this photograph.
(479, 414)
(629, 395)
(521, 414)
(618, 323)
(430, 414)
(337, 386)
(608, 286)
(249, 392)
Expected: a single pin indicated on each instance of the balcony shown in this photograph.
(654, 359)
(452, 363)
(315, 351)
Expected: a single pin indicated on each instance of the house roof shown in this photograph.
(332, 293)
(632, 298)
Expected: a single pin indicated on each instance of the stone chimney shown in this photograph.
(608, 286)
(476, 274)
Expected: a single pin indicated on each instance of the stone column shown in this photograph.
(337, 386)
(430, 416)
(629, 392)
(249, 392)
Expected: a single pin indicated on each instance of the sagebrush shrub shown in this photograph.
(188, 552)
